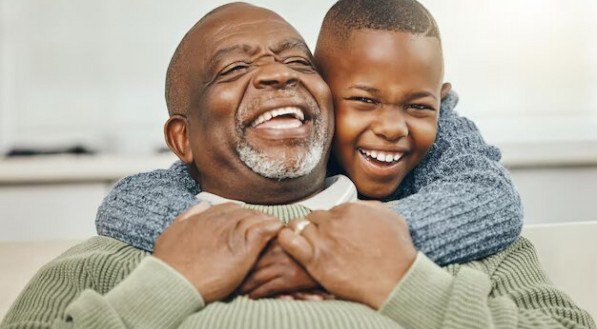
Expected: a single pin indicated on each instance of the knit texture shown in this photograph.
(104, 283)
(459, 202)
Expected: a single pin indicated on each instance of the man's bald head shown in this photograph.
(179, 80)
(249, 113)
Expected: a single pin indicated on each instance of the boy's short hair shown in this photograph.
(387, 15)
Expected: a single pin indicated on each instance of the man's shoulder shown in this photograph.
(519, 256)
(99, 246)
(101, 260)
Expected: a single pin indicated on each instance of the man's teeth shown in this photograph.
(296, 112)
(382, 156)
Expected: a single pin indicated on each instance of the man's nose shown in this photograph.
(275, 75)
(390, 124)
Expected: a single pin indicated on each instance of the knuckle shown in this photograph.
(295, 274)
(403, 224)
(257, 231)
(252, 212)
(315, 214)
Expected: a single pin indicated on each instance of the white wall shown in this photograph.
(557, 195)
(92, 71)
(526, 70)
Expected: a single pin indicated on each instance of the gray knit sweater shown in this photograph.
(459, 202)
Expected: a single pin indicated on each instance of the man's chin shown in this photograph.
(281, 162)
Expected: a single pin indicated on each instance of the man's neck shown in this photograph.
(265, 191)
(338, 190)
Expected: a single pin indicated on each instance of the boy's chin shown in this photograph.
(376, 191)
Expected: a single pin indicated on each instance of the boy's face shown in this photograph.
(387, 88)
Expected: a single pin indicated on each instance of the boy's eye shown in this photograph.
(420, 107)
(362, 99)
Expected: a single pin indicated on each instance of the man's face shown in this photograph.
(258, 105)
(387, 88)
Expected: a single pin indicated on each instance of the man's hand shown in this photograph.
(277, 273)
(356, 251)
(214, 248)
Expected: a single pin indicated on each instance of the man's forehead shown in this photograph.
(248, 32)
(250, 47)
(237, 29)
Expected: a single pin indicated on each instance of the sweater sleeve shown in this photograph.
(153, 296)
(103, 283)
(140, 207)
(460, 202)
(516, 295)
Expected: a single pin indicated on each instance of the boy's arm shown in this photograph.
(140, 207)
(461, 204)
(516, 294)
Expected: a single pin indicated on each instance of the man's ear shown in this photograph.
(446, 88)
(175, 131)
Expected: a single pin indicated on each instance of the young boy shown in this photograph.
(383, 62)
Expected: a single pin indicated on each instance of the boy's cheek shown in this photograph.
(424, 134)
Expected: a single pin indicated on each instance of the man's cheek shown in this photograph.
(224, 102)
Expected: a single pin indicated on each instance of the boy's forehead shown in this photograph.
(368, 45)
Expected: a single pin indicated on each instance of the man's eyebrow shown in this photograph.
(290, 44)
(221, 54)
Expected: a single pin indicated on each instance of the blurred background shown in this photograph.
(82, 84)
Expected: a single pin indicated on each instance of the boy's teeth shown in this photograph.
(296, 112)
(388, 157)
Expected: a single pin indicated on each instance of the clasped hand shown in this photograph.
(356, 251)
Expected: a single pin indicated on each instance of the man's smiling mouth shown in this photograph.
(282, 123)
(280, 118)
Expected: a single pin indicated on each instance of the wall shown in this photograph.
(92, 72)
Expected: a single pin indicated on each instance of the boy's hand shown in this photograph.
(276, 273)
(356, 251)
(215, 248)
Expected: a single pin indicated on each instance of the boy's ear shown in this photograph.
(175, 132)
(446, 88)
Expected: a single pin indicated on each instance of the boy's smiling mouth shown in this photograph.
(380, 163)
(382, 156)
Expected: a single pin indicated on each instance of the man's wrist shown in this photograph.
(422, 293)
(387, 288)
(154, 293)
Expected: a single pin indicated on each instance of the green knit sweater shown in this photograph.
(104, 283)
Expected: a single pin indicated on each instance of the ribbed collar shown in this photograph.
(339, 189)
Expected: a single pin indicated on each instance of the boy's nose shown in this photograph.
(390, 124)
(275, 75)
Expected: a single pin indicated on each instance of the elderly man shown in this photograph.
(372, 267)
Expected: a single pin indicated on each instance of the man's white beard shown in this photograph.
(285, 166)
(282, 167)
